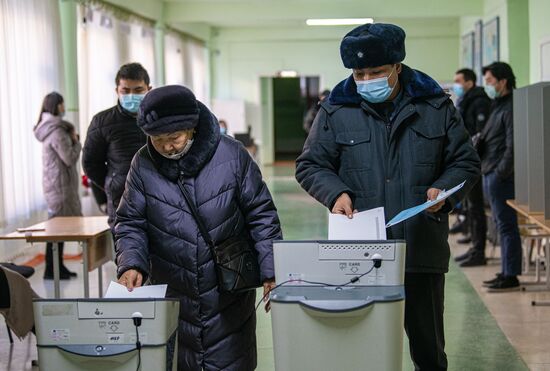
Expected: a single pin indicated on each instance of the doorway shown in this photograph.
(291, 97)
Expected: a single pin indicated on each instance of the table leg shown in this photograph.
(86, 269)
(55, 253)
(100, 280)
(545, 303)
(547, 261)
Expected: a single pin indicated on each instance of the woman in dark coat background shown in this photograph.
(158, 238)
(60, 152)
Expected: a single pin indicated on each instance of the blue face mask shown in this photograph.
(491, 91)
(223, 131)
(375, 90)
(131, 102)
(458, 90)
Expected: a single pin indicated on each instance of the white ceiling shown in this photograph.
(293, 13)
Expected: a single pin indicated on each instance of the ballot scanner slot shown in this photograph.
(89, 350)
(356, 251)
(107, 310)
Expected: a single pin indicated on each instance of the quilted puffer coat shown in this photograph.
(156, 234)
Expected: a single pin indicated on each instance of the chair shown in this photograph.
(5, 289)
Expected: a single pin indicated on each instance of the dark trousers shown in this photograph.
(497, 192)
(476, 218)
(49, 257)
(424, 297)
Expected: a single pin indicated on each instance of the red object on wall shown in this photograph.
(85, 181)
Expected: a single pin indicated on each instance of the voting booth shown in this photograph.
(101, 334)
(341, 305)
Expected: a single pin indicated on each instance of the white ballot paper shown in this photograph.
(366, 225)
(116, 290)
(409, 213)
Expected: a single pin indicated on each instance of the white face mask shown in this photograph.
(177, 156)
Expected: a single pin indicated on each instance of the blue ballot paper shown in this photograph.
(409, 213)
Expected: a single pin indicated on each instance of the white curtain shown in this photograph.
(31, 66)
(104, 44)
(141, 48)
(186, 63)
(197, 70)
(174, 61)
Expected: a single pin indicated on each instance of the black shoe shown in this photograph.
(506, 283)
(475, 260)
(64, 270)
(62, 276)
(458, 227)
(464, 241)
(464, 256)
(499, 276)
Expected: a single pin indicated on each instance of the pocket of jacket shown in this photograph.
(355, 149)
(427, 144)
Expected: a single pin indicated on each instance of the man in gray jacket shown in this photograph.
(389, 136)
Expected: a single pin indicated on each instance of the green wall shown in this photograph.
(518, 40)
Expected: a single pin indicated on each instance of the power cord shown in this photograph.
(376, 263)
(136, 317)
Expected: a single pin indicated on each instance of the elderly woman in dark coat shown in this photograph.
(60, 152)
(158, 238)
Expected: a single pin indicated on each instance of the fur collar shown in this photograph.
(207, 137)
(417, 85)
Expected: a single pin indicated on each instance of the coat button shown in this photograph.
(352, 141)
(387, 180)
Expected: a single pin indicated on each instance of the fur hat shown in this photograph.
(373, 45)
(168, 109)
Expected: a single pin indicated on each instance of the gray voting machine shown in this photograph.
(100, 334)
(340, 306)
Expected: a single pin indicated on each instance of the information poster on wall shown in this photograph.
(491, 47)
(468, 50)
(478, 48)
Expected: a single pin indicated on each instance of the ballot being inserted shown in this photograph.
(409, 213)
(366, 225)
(116, 290)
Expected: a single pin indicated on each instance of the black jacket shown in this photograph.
(350, 150)
(475, 108)
(157, 234)
(112, 140)
(496, 146)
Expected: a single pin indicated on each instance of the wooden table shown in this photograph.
(544, 224)
(536, 218)
(92, 232)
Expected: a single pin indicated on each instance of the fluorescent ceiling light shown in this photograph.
(287, 73)
(338, 22)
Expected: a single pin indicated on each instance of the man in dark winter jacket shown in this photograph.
(496, 148)
(474, 106)
(157, 235)
(389, 136)
(113, 138)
